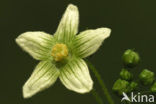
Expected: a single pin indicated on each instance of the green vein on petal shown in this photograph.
(89, 41)
(37, 44)
(44, 75)
(76, 77)
(68, 26)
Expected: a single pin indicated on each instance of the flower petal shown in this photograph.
(88, 42)
(75, 76)
(44, 75)
(37, 44)
(68, 26)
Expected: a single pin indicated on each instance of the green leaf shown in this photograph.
(68, 26)
(89, 41)
(75, 76)
(37, 44)
(44, 75)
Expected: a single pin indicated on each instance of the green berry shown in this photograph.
(130, 58)
(125, 74)
(147, 77)
(121, 86)
(153, 88)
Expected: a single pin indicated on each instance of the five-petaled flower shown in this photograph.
(61, 55)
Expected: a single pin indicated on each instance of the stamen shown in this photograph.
(59, 52)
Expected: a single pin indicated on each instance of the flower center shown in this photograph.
(59, 52)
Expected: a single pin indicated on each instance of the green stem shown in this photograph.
(97, 97)
(104, 88)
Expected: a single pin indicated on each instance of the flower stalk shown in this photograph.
(97, 97)
(100, 81)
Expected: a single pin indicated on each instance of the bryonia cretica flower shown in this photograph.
(61, 55)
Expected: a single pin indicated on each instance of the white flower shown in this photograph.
(61, 55)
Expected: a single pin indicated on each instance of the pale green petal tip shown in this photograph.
(72, 7)
(83, 90)
(105, 31)
(27, 92)
(88, 88)
(18, 40)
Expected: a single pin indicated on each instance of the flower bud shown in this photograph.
(133, 85)
(153, 88)
(130, 58)
(147, 77)
(125, 74)
(121, 86)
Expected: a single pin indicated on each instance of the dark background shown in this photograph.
(133, 24)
